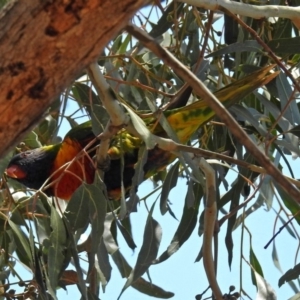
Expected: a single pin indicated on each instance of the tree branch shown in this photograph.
(249, 10)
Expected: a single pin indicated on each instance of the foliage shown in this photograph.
(45, 236)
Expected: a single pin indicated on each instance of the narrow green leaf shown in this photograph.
(170, 211)
(73, 249)
(289, 108)
(149, 250)
(256, 266)
(100, 118)
(151, 289)
(287, 45)
(169, 183)
(108, 238)
(113, 249)
(126, 235)
(138, 177)
(124, 46)
(190, 197)
(252, 116)
(83, 94)
(277, 265)
(117, 42)
(187, 223)
(6, 245)
(138, 97)
(291, 274)
(166, 20)
(49, 286)
(275, 258)
(58, 241)
(43, 229)
(97, 208)
(103, 260)
(23, 206)
(295, 130)
(140, 284)
(247, 46)
(121, 263)
(23, 247)
(77, 212)
(39, 277)
(233, 195)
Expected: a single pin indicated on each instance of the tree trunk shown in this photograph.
(43, 46)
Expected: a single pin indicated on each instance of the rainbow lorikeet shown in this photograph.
(32, 168)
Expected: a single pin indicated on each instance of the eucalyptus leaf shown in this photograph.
(103, 260)
(58, 242)
(148, 252)
(285, 45)
(256, 267)
(169, 183)
(23, 247)
(77, 212)
(187, 223)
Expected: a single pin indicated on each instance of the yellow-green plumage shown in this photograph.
(186, 120)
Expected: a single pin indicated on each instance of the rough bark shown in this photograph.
(43, 46)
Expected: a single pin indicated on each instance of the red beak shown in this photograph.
(15, 172)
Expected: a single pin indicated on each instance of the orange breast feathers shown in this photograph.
(70, 169)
